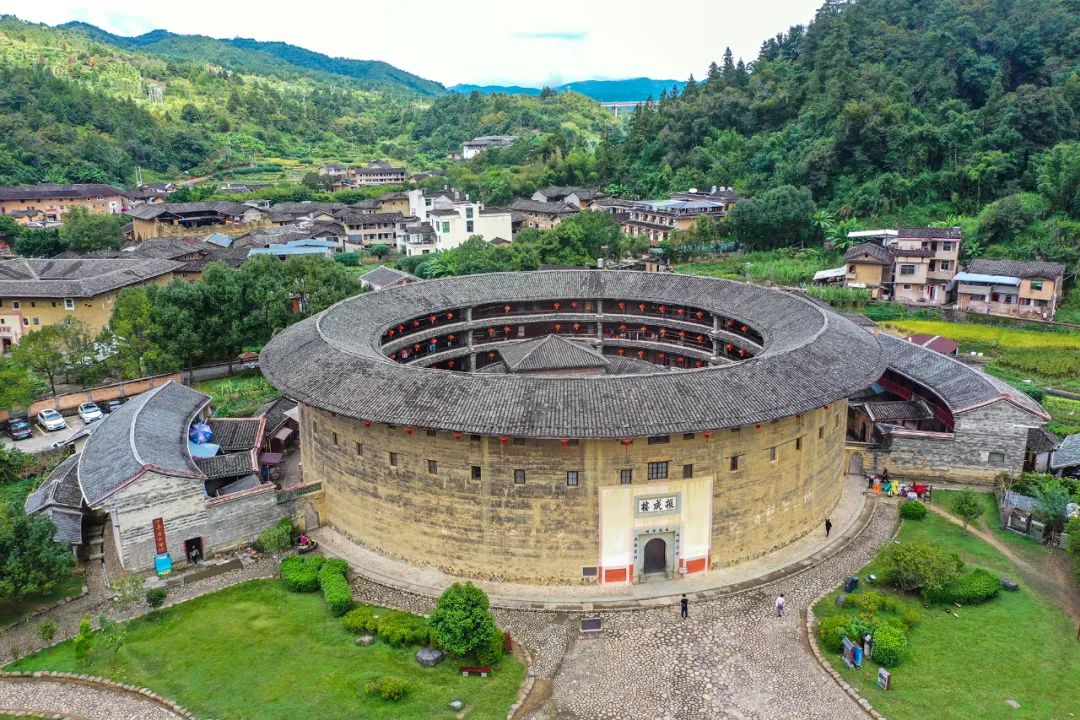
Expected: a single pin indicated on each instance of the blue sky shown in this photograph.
(469, 41)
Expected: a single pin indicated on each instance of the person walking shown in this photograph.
(780, 605)
(828, 527)
(685, 606)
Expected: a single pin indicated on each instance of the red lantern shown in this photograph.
(506, 308)
(660, 355)
(622, 306)
(743, 329)
(491, 332)
(730, 347)
(450, 338)
(452, 363)
(577, 326)
(409, 430)
(558, 327)
(681, 311)
(556, 305)
(627, 442)
(506, 329)
(416, 346)
(682, 333)
(401, 328)
(663, 308)
(416, 323)
(564, 442)
(742, 352)
(457, 436)
(367, 423)
(701, 338)
(699, 314)
(641, 353)
(708, 435)
(622, 327)
(434, 319)
(449, 316)
(681, 360)
(491, 356)
(826, 407)
(731, 323)
(698, 363)
(644, 329)
(757, 425)
(798, 417)
(573, 303)
(622, 351)
(503, 440)
(390, 332)
(641, 307)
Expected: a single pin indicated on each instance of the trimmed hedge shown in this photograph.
(912, 510)
(361, 620)
(301, 574)
(890, 646)
(974, 587)
(395, 627)
(335, 586)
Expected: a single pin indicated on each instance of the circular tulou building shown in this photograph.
(551, 427)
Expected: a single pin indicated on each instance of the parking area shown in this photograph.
(42, 440)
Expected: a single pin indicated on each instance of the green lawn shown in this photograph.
(13, 611)
(1017, 646)
(239, 395)
(1027, 549)
(976, 336)
(772, 267)
(258, 652)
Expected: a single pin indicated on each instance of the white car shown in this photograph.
(51, 420)
(89, 412)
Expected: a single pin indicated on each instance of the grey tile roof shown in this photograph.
(1041, 440)
(68, 525)
(858, 253)
(236, 434)
(60, 488)
(811, 357)
(45, 191)
(953, 233)
(550, 352)
(1017, 268)
(149, 432)
(1067, 454)
(248, 482)
(35, 277)
(223, 207)
(274, 412)
(383, 276)
(544, 208)
(960, 386)
(885, 411)
(232, 464)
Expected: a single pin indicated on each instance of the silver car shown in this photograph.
(89, 412)
(51, 420)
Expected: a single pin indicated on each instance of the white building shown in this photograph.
(472, 148)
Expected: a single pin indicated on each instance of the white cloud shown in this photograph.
(474, 41)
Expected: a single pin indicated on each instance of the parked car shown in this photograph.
(19, 429)
(109, 406)
(51, 420)
(89, 412)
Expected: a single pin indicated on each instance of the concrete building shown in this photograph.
(452, 227)
(908, 265)
(365, 229)
(472, 148)
(1013, 288)
(656, 220)
(555, 427)
(139, 470)
(36, 293)
(47, 202)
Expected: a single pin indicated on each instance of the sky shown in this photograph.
(468, 41)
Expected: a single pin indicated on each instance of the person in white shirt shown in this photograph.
(780, 605)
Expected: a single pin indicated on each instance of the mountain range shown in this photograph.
(628, 90)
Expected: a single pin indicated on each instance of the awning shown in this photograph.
(270, 458)
(284, 435)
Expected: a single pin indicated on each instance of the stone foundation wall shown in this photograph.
(544, 530)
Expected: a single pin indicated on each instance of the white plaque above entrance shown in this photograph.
(656, 504)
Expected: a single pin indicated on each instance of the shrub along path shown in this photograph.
(1051, 579)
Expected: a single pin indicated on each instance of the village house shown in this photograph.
(334, 170)
(580, 197)
(161, 220)
(195, 252)
(365, 229)
(159, 487)
(908, 265)
(453, 226)
(869, 266)
(656, 220)
(322, 248)
(472, 148)
(386, 277)
(36, 293)
(47, 202)
(376, 173)
(543, 215)
(421, 202)
(1013, 288)
(724, 195)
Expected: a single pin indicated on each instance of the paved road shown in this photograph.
(43, 440)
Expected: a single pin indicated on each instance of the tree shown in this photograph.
(461, 620)
(1073, 545)
(84, 231)
(967, 506)
(113, 635)
(39, 243)
(781, 217)
(1051, 503)
(13, 462)
(16, 384)
(918, 565)
(83, 644)
(380, 251)
(316, 283)
(31, 562)
(132, 326)
(43, 352)
(155, 597)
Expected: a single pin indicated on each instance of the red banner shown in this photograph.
(159, 535)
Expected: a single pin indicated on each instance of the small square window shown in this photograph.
(821, 432)
(474, 438)
(335, 438)
(626, 476)
(520, 441)
(359, 448)
(69, 303)
(393, 459)
(37, 321)
(519, 477)
(1036, 284)
(798, 443)
(996, 457)
(16, 304)
(659, 439)
(314, 427)
(736, 429)
(772, 454)
(572, 478)
(688, 471)
(476, 474)
(688, 436)
(658, 471)
(433, 467)
(733, 464)
(431, 433)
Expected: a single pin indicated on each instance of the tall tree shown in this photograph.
(31, 561)
(43, 351)
(84, 231)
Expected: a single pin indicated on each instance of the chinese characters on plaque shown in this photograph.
(661, 504)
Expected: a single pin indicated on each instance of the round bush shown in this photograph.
(400, 628)
(912, 510)
(832, 631)
(974, 587)
(362, 621)
(890, 646)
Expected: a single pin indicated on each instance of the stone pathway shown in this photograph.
(847, 517)
(47, 697)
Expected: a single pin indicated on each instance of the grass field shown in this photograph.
(1016, 647)
(239, 395)
(258, 652)
(984, 338)
(773, 268)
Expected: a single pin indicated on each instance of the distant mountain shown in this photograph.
(628, 90)
(257, 57)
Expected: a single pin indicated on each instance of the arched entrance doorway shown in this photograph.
(655, 556)
(855, 464)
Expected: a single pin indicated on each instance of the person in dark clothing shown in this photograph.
(828, 527)
(870, 481)
(885, 476)
(685, 607)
